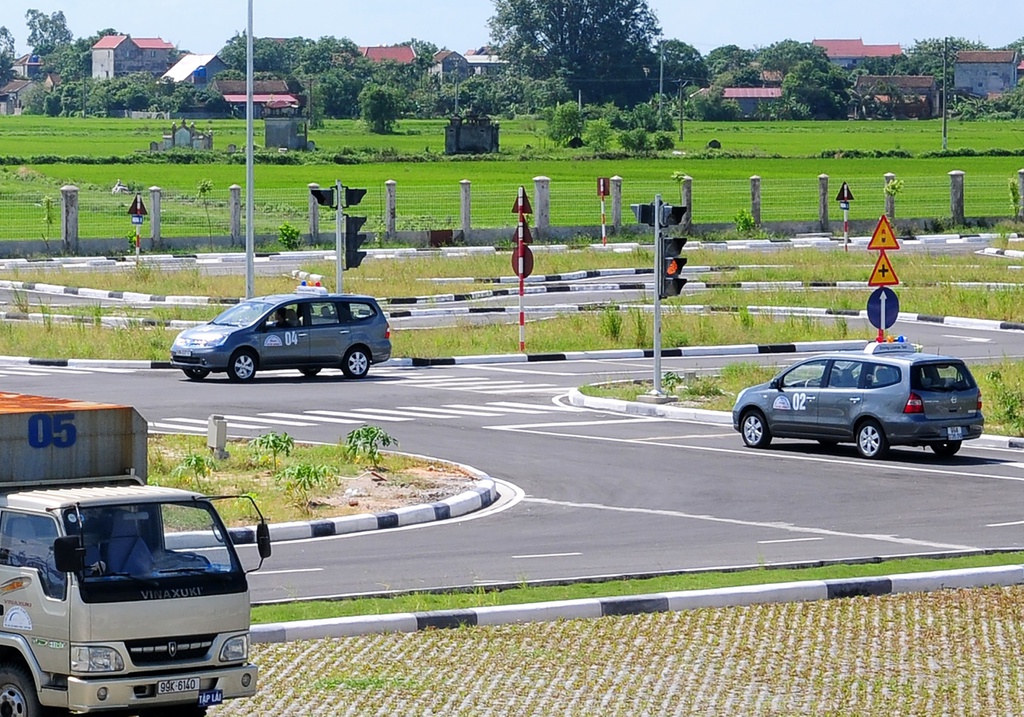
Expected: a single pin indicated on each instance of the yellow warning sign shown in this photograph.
(884, 239)
(883, 274)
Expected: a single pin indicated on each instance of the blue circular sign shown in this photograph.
(892, 307)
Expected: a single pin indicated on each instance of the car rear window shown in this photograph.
(941, 376)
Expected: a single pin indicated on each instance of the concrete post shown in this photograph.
(314, 215)
(823, 224)
(155, 195)
(956, 197)
(890, 199)
(617, 202)
(235, 205)
(755, 199)
(466, 205)
(69, 218)
(541, 205)
(1020, 191)
(391, 209)
(686, 191)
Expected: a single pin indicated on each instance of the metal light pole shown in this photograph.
(945, 53)
(658, 269)
(250, 181)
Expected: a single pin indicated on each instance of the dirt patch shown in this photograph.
(375, 492)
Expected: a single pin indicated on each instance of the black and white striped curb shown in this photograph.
(129, 297)
(587, 608)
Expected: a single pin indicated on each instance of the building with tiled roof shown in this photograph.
(402, 54)
(848, 54)
(27, 66)
(986, 73)
(117, 55)
(901, 96)
(748, 98)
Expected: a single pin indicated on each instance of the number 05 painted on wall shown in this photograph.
(51, 429)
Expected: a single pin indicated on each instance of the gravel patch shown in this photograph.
(952, 652)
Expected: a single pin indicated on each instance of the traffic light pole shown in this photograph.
(658, 270)
(339, 245)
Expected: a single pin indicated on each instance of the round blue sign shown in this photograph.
(892, 307)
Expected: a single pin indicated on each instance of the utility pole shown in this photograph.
(681, 84)
(661, 79)
(945, 54)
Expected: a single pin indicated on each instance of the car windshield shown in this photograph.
(153, 545)
(245, 314)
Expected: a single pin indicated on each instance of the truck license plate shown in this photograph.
(188, 684)
(956, 433)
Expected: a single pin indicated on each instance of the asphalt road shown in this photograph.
(589, 493)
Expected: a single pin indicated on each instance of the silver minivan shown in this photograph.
(309, 330)
(890, 395)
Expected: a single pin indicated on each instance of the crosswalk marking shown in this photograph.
(269, 421)
(174, 427)
(362, 415)
(531, 412)
(306, 417)
(538, 407)
(481, 412)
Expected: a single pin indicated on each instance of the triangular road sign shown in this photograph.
(883, 274)
(525, 209)
(884, 239)
(845, 195)
(527, 238)
(137, 209)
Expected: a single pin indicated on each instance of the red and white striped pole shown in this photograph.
(522, 267)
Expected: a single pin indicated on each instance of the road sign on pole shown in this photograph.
(138, 208)
(883, 274)
(883, 308)
(883, 238)
(844, 198)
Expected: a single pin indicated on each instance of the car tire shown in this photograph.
(356, 363)
(309, 372)
(754, 429)
(195, 374)
(945, 449)
(242, 366)
(871, 440)
(18, 692)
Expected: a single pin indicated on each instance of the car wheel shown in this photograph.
(309, 372)
(754, 429)
(871, 440)
(356, 363)
(18, 692)
(196, 374)
(946, 448)
(242, 366)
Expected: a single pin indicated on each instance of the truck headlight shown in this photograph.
(235, 649)
(96, 659)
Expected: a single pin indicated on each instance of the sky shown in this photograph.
(204, 26)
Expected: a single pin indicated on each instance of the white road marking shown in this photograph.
(268, 421)
(786, 527)
(504, 409)
(971, 339)
(304, 417)
(1005, 525)
(451, 413)
(545, 555)
(544, 407)
(201, 424)
(788, 540)
(285, 572)
(174, 427)
(360, 414)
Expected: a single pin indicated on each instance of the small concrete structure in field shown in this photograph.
(470, 135)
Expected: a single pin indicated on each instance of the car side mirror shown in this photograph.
(263, 540)
(776, 383)
(68, 554)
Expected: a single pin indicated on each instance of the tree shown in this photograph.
(727, 58)
(683, 64)
(566, 123)
(47, 33)
(602, 48)
(819, 85)
(783, 56)
(380, 107)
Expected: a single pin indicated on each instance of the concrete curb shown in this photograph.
(799, 591)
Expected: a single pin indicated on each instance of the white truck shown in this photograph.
(116, 597)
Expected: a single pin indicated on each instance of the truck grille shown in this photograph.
(170, 649)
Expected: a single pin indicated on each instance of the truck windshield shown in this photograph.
(153, 551)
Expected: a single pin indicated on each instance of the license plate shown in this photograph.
(210, 697)
(184, 353)
(956, 433)
(188, 684)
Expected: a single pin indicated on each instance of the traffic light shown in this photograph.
(351, 197)
(670, 215)
(354, 240)
(670, 279)
(324, 197)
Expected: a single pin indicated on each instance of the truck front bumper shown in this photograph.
(139, 691)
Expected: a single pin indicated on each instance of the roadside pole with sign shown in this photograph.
(522, 257)
(883, 275)
(603, 184)
(137, 211)
(844, 198)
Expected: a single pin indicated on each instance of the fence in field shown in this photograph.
(465, 208)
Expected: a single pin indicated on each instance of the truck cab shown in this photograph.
(115, 596)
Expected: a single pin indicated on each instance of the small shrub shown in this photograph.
(270, 446)
(364, 443)
(611, 323)
(1014, 189)
(664, 142)
(745, 224)
(302, 481)
(641, 330)
(195, 466)
(288, 236)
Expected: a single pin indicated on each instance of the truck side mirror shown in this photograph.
(263, 540)
(68, 554)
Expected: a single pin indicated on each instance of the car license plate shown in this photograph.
(187, 684)
(956, 433)
(210, 697)
(184, 353)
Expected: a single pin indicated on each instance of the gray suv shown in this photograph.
(888, 396)
(308, 330)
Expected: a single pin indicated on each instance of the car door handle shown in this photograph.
(303, 333)
(854, 399)
(343, 332)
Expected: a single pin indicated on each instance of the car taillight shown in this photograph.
(979, 399)
(387, 335)
(914, 404)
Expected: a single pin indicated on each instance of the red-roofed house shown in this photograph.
(986, 73)
(116, 55)
(848, 54)
(748, 98)
(402, 54)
